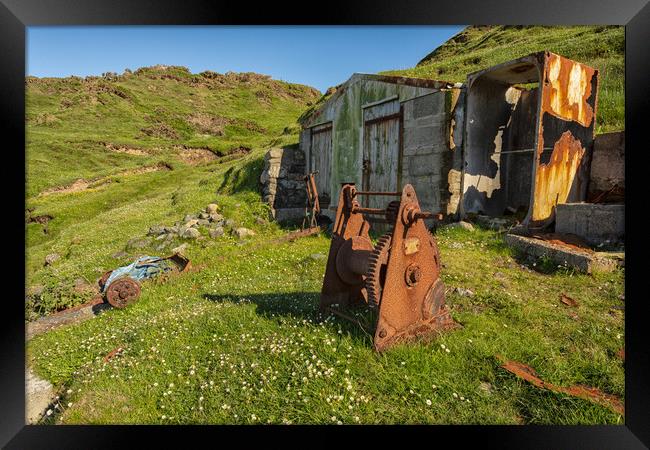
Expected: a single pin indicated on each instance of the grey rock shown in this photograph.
(464, 292)
(486, 387)
(119, 255)
(191, 233)
(243, 233)
(462, 224)
(204, 215)
(51, 258)
(191, 223)
(216, 232)
(36, 290)
(189, 217)
(181, 249)
(260, 221)
(215, 217)
(138, 243)
(211, 208)
(493, 223)
(317, 256)
(203, 222)
(161, 237)
(229, 223)
(156, 230)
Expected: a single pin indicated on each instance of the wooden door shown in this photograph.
(320, 159)
(381, 151)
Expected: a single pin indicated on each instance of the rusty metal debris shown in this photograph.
(113, 353)
(568, 301)
(399, 277)
(125, 288)
(585, 392)
(122, 292)
(312, 211)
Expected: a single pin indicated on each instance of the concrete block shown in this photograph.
(595, 223)
(581, 260)
(423, 150)
(608, 162)
(423, 165)
(428, 105)
(422, 136)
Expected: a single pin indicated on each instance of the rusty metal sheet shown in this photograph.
(569, 87)
(554, 180)
(585, 392)
(566, 123)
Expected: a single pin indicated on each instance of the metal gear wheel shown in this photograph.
(377, 263)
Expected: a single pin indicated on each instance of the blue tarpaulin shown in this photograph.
(142, 268)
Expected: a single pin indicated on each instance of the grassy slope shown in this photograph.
(476, 48)
(239, 342)
(152, 109)
(70, 119)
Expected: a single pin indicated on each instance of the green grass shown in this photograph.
(153, 110)
(477, 48)
(241, 342)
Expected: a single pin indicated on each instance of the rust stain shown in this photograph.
(553, 181)
(584, 392)
(569, 88)
(113, 353)
(568, 300)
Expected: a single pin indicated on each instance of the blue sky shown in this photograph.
(319, 56)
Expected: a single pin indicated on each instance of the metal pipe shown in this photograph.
(396, 194)
(369, 210)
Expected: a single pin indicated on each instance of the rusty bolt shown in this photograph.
(413, 274)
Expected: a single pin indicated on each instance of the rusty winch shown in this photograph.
(399, 277)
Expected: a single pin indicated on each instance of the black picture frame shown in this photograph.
(16, 15)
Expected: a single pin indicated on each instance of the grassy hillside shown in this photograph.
(95, 127)
(479, 47)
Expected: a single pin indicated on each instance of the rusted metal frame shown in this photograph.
(411, 296)
(368, 211)
(395, 194)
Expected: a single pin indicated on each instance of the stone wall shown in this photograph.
(427, 158)
(282, 182)
(608, 167)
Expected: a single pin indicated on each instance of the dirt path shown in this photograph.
(66, 317)
(82, 185)
(39, 394)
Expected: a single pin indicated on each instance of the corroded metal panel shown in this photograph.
(568, 89)
(566, 128)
